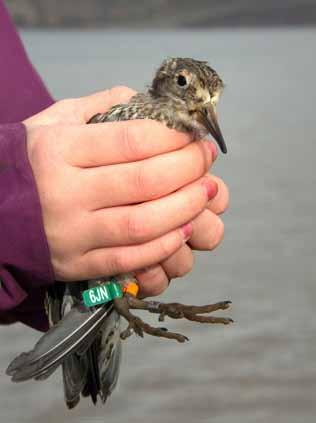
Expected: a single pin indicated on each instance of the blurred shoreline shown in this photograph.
(162, 13)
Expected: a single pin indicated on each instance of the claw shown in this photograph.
(126, 333)
(226, 305)
(172, 310)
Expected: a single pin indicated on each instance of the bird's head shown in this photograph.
(195, 83)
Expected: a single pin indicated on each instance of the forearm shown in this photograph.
(25, 268)
(24, 255)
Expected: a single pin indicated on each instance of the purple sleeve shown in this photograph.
(22, 92)
(25, 266)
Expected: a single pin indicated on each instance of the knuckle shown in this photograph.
(137, 231)
(155, 282)
(120, 93)
(141, 182)
(149, 181)
(166, 247)
(158, 289)
(116, 263)
(184, 268)
(193, 202)
(121, 90)
(130, 146)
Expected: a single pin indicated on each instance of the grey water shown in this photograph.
(262, 368)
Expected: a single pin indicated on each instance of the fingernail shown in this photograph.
(187, 231)
(211, 188)
(213, 149)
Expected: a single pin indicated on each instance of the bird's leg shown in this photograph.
(137, 325)
(182, 311)
(173, 310)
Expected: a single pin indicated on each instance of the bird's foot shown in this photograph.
(137, 325)
(172, 310)
(189, 312)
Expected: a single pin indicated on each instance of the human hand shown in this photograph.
(115, 196)
(208, 232)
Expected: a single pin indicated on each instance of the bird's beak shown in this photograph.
(211, 123)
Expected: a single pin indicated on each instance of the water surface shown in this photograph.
(263, 367)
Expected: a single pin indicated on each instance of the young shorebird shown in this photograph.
(86, 341)
(183, 96)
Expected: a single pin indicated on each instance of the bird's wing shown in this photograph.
(78, 369)
(75, 373)
(94, 369)
(140, 106)
(73, 333)
(109, 359)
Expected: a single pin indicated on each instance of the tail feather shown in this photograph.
(75, 371)
(110, 356)
(93, 378)
(111, 374)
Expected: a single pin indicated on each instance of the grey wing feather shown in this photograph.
(110, 354)
(75, 372)
(61, 340)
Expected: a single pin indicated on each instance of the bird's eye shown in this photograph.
(182, 81)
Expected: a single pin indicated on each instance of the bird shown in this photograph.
(87, 340)
(183, 95)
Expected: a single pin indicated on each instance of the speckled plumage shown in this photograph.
(186, 107)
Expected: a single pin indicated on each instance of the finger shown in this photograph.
(101, 101)
(179, 264)
(220, 202)
(208, 231)
(155, 279)
(152, 281)
(143, 222)
(146, 180)
(80, 110)
(120, 142)
(111, 261)
(214, 149)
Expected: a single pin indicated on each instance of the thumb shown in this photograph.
(80, 110)
(101, 101)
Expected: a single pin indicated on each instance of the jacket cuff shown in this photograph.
(24, 253)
